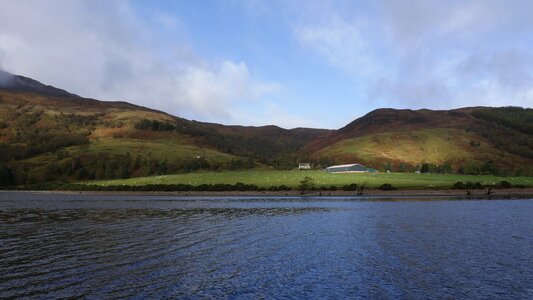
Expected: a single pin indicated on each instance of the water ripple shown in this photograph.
(266, 248)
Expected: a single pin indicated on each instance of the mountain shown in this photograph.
(48, 134)
(475, 138)
(10, 82)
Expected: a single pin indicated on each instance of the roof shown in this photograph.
(345, 166)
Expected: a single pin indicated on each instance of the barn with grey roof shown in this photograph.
(347, 168)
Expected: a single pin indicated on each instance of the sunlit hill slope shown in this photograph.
(464, 140)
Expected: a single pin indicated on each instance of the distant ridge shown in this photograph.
(19, 83)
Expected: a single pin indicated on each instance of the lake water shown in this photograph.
(95, 246)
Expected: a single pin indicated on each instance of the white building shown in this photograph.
(304, 166)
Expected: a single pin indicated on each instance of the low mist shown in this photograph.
(5, 78)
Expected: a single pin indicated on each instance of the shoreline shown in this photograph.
(521, 192)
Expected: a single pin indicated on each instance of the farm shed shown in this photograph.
(346, 168)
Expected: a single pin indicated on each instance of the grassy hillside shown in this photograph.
(44, 138)
(265, 178)
(470, 140)
(410, 148)
(47, 134)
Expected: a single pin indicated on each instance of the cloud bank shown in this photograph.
(104, 50)
(435, 54)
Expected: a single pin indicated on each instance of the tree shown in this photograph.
(6, 176)
(361, 189)
(306, 184)
(489, 167)
(100, 170)
(82, 173)
(350, 187)
(446, 167)
(162, 168)
(123, 172)
(110, 169)
(20, 176)
(325, 162)
(250, 163)
(51, 172)
(471, 168)
(136, 164)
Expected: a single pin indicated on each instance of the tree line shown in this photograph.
(517, 118)
(276, 152)
(106, 166)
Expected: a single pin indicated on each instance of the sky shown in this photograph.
(291, 63)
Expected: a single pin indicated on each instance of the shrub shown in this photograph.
(505, 184)
(239, 186)
(473, 185)
(284, 188)
(459, 185)
(350, 187)
(387, 187)
(468, 186)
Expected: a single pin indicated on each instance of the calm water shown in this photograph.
(148, 246)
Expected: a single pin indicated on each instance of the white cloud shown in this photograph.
(221, 85)
(428, 53)
(342, 44)
(102, 49)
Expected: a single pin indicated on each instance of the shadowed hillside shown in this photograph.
(10, 82)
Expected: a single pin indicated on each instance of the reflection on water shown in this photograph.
(145, 246)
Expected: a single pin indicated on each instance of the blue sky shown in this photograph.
(289, 63)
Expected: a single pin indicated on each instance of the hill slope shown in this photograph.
(467, 138)
(49, 134)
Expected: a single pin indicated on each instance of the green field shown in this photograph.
(267, 178)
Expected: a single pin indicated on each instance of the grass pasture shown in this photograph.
(267, 178)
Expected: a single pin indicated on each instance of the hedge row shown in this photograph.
(150, 187)
(477, 185)
(167, 187)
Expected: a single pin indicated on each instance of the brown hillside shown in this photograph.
(393, 120)
(477, 135)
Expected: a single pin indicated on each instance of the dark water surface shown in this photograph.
(91, 246)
